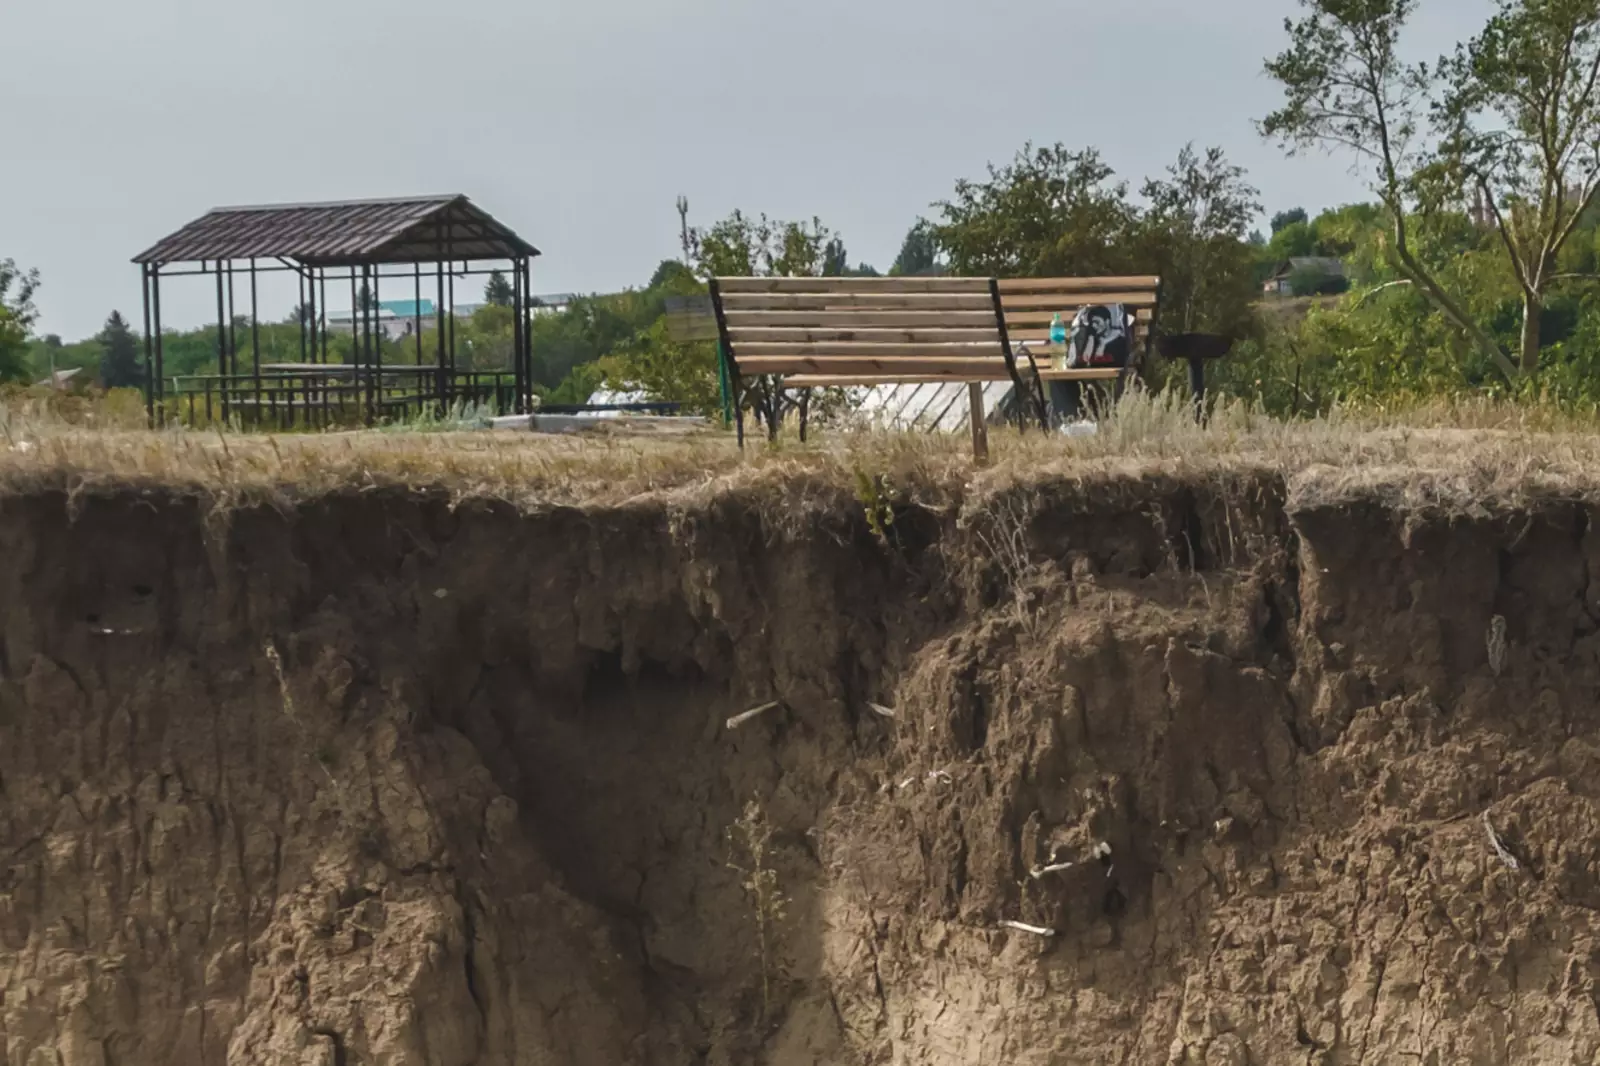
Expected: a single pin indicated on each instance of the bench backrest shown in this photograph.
(863, 328)
(1030, 303)
(863, 331)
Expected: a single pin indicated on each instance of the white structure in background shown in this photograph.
(604, 397)
(930, 407)
(401, 318)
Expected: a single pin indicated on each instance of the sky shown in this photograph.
(578, 123)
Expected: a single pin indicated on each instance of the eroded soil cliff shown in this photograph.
(381, 780)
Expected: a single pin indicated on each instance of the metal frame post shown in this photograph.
(729, 367)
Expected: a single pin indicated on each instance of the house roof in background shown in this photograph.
(1322, 264)
(422, 229)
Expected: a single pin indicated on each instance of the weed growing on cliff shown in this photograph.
(1002, 531)
(876, 493)
(750, 840)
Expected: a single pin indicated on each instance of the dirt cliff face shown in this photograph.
(1268, 776)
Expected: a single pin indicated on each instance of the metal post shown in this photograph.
(322, 302)
(300, 312)
(149, 351)
(516, 336)
(447, 382)
(255, 333)
(222, 340)
(160, 382)
(375, 388)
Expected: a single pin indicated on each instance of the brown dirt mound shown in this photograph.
(376, 779)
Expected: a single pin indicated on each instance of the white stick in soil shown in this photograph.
(755, 712)
(879, 708)
(1022, 927)
(1040, 871)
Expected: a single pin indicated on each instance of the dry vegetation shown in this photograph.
(1448, 456)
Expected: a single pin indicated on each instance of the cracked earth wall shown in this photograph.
(379, 780)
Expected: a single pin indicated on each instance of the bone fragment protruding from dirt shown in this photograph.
(1499, 845)
(1039, 871)
(1023, 927)
(879, 708)
(755, 712)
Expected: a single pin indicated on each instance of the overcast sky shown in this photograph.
(578, 122)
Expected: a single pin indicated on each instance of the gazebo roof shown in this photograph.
(421, 229)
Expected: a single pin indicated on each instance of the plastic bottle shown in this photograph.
(1058, 331)
(1058, 341)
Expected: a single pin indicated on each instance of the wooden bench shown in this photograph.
(804, 333)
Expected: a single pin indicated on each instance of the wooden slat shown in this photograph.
(990, 348)
(862, 319)
(1090, 373)
(1018, 319)
(1027, 301)
(960, 368)
(1042, 336)
(916, 301)
(853, 285)
(1135, 283)
(739, 336)
(823, 381)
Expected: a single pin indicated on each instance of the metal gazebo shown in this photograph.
(409, 245)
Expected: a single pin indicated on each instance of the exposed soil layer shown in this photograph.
(381, 781)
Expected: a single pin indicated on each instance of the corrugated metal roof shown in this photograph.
(418, 229)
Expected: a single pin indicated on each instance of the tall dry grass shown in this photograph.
(1450, 454)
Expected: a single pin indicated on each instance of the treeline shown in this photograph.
(1471, 267)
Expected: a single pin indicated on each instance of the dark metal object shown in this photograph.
(1196, 349)
(1037, 393)
(725, 351)
(352, 242)
(341, 234)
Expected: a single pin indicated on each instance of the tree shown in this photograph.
(1049, 212)
(17, 315)
(919, 252)
(1520, 118)
(1196, 229)
(498, 291)
(1347, 88)
(740, 246)
(835, 260)
(120, 367)
(1293, 216)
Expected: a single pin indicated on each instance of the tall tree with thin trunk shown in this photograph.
(1520, 126)
(120, 367)
(1347, 88)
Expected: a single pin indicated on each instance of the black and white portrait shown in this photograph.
(1101, 335)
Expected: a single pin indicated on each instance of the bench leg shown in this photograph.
(980, 429)
(805, 412)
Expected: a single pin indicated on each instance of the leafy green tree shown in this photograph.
(919, 252)
(17, 315)
(1291, 217)
(1348, 87)
(1196, 231)
(498, 291)
(740, 246)
(1521, 122)
(1049, 212)
(120, 366)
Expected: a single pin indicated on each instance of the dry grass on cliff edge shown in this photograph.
(1450, 457)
